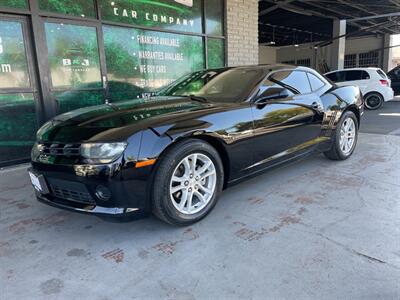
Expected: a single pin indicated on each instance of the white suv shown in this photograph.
(373, 83)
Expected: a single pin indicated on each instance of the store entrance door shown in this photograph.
(19, 102)
(77, 76)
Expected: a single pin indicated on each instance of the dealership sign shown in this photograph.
(182, 15)
(153, 17)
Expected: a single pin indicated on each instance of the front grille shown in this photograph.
(67, 150)
(71, 195)
(70, 190)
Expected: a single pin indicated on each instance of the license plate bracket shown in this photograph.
(38, 182)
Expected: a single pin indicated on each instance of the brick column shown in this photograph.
(242, 32)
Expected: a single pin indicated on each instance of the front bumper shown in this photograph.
(99, 211)
(74, 188)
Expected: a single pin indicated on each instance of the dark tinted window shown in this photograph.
(294, 79)
(315, 82)
(381, 73)
(271, 89)
(224, 85)
(332, 76)
(365, 75)
(353, 75)
(394, 73)
(337, 76)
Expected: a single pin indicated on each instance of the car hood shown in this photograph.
(117, 121)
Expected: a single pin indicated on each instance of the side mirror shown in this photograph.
(272, 93)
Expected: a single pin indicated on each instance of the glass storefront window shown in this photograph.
(214, 17)
(14, 3)
(216, 53)
(138, 60)
(147, 60)
(73, 56)
(73, 99)
(180, 15)
(81, 8)
(18, 125)
(13, 62)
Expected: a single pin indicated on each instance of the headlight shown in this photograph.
(103, 153)
(43, 130)
(36, 151)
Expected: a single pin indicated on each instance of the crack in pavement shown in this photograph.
(360, 254)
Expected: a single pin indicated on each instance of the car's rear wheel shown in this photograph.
(187, 183)
(373, 101)
(345, 139)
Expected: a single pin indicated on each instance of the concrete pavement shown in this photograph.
(383, 121)
(315, 229)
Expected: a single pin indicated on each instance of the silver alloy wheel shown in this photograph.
(347, 136)
(193, 183)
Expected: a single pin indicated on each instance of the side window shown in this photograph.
(365, 75)
(270, 89)
(315, 82)
(337, 76)
(295, 79)
(341, 76)
(332, 76)
(353, 75)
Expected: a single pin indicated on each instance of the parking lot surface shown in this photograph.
(383, 121)
(315, 229)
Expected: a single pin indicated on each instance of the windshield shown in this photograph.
(222, 85)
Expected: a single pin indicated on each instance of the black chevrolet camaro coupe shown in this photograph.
(174, 153)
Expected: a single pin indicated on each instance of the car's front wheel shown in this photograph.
(345, 138)
(187, 183)
(373, 101)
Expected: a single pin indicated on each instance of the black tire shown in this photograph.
(336, 153)
(163, 207)
(373, 101)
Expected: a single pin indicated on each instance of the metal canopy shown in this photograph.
(288, 22)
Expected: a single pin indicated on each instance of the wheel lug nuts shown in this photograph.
(186, 182)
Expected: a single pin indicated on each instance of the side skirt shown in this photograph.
(277, 164)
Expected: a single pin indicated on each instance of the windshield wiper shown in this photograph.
(198, 98)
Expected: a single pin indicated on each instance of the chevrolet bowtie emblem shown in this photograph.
(185, 2)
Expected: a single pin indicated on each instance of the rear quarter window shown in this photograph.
(296, 79)
(315, 82)
(381, 74)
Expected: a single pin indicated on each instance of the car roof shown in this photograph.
(267, 67)
(355, 69)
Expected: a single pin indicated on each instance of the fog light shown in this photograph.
(103, 193)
